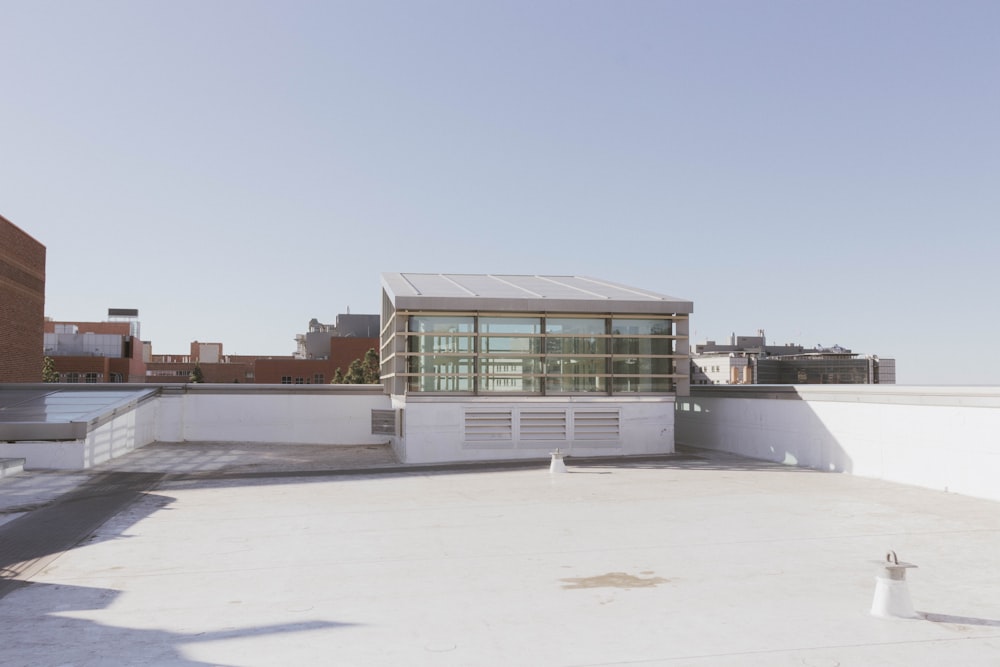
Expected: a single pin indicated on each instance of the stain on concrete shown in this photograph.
(614, 580)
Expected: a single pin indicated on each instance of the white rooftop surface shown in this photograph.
(697, 561)
(413, 290)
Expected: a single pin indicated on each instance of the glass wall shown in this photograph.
(534, 354)
(576, 354)
(510, 354)
(441, 357)
(641, 355)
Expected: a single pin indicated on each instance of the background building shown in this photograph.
(209, 358)
(97, 351)
(322, 351)
(22, 304)
(315, 343)
(340, 352)
(749, 360)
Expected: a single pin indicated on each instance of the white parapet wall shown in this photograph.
(437, 429)
(105, 439)
(279, 414)
(273, 414)
(935, 437)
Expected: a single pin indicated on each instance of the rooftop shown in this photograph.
(426, 291)
(211, 554)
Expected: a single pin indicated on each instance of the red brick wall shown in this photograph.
(266, 370)
(342, 352)
(22, 305)
(270, 371)
(179, 372)
(345, 350)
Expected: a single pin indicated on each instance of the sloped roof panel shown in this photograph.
(529, 293)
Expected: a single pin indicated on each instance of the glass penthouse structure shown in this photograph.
(499, 366)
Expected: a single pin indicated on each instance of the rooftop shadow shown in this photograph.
(37, 627)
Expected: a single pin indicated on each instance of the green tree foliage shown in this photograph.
(361, 371)
(196, 376)
(49, 372)
(372, 367)
(355, 373)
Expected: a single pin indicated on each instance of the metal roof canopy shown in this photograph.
(524, 293)
(57, 412)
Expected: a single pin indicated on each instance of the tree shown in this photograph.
(361, 371)
(338, 377)
(372, 367)
(49, 373)
(355, 373)
(196, 376)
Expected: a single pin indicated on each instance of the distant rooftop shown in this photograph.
(524, 292)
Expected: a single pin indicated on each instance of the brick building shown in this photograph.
(342, 351)
(209, 357)
(22, 304)
(218, 367)
(95, 351)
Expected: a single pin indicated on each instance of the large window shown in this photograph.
(510, 354)
(536, 354)
(642, 355)
(576, 354)
(441, 354)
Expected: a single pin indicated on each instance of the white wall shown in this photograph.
(115, 437)
(434, 429)
(936, 437)
(306, 414)
(299, 414)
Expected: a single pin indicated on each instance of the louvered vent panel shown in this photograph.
(488, 426)
(543, 425)
(597, 425)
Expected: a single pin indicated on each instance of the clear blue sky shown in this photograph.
(826, 171)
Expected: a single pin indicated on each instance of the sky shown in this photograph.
(828, 172)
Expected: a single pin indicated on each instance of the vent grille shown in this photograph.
(597, 425)
(489, 425)
(384, 422)
(543, 425)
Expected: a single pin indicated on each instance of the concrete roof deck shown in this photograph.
(702, 559)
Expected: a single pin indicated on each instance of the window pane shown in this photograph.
(514, 335)
(574, 326)
(632, 375)
(574, 375)
(448, 373)
(642, 346)
(436, 324)
(559, 345)
(652, 327)
(509, 374)
(510, 325)
(500, 344)
(442, 334)
(624, 385)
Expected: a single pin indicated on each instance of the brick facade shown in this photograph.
(231, 371)
(314, 371)
(22, 304)
(130, 367)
